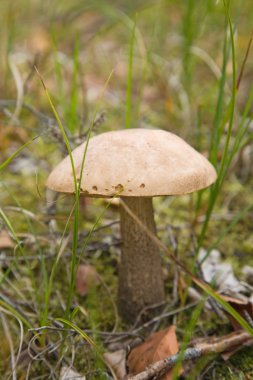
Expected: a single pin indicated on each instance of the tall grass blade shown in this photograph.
(77, 186)
(21, 250)
(15, 154)
(77, 329)
(230, 113)
(130, 78)
(18, 315)
(73, 108)
(187, 337)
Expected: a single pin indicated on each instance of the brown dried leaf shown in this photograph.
(86, 278)
(116, 361)
(158, 346)
(5, 240)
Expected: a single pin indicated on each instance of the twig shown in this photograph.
(144, 311)
(164, 315)
(4, 103)
(50, 123)
(91, 248)
(217, 345)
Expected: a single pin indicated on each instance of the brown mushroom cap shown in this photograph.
(135, 162)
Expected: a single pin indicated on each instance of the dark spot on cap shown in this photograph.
(119, 187)
(142, 185)
(129, 191)
(94, 188)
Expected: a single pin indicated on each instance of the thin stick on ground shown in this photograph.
(215, 346)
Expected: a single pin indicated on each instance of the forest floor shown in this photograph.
(181, 66)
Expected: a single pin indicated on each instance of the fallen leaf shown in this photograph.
(158, 346)
(86, 278)
(69, 374)
(116, 361)
(218, 272)
(5, 240)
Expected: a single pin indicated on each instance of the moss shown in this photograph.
(247, 245)
(243, 360)
(238, 367)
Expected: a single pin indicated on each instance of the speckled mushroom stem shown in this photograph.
(140, 272)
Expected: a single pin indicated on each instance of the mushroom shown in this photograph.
(136, 164)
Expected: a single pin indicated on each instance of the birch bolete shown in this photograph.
(136, 165)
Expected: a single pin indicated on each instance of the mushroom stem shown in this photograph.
(140, 271)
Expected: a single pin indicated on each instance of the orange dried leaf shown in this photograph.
(158, 346)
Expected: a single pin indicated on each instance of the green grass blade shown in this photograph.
(72, 110)
(208, 290)
(226, 230)
(75, 237)
(41, 256)
(78, 330)
(77, 187)
(6, 273)
(214, 191)
(187, 337)
(48, 292)
(217, 130)
(233, 97)
(16, 313)
(189, 31)
(130, 78)
(15, 154)
(77, 193)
